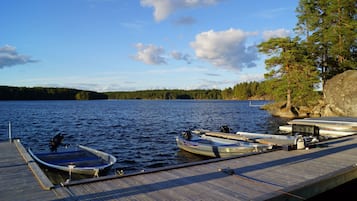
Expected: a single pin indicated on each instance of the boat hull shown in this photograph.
(85, 161)
(208, 147)
(322, 131)
(333, 124)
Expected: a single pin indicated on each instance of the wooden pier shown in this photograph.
(20, 177)
(276, 175)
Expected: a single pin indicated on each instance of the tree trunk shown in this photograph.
(288, 94)
(288, 99)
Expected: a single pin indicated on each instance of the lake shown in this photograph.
(140, 133)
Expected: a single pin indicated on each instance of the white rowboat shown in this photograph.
(85, 160)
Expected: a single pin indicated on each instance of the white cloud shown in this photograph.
(150, 54)
(249, 77)
(10, 57)
(180, 56)
(163, 8)
(226, 49)
(183, 70)
(279, 33)
(212, 84)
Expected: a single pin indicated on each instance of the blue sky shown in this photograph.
(127, 45)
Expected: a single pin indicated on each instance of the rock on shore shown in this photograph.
(340, 99)
(340, 96)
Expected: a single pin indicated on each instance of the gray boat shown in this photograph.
(215, 146)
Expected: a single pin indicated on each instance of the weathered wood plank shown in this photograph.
(41, 177)
(16, 180)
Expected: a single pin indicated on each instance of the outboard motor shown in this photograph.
(300, 142)
(187, 135)
(56, 141)
(225, 129)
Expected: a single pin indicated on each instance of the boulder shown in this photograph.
(340, 99)
(340, 95)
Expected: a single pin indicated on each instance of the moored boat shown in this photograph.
(327, 126)
(324, 132)
(84, 160)
(329, 123)
(278, 140)
(215, 146)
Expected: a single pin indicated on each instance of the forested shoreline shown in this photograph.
(43, 93)
(241, 91)
(166, 94)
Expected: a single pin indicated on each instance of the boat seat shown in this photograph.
(90, 163)
(76, 161)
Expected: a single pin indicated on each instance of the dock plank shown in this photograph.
(16, 179)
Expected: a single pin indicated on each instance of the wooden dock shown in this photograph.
(276, 175)
(20, 177)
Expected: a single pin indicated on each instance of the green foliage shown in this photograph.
(247, 90)
(242, 91)
(291, 73)
(330, 30)
(329, 47)
(166, 94)
(40, 93)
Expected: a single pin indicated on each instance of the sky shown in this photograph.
(129, 45)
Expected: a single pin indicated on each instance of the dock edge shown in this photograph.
(43, 180)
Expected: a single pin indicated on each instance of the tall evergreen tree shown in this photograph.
(330, 28)
(290, 68)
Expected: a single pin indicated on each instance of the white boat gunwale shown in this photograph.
(335, 124)
(88, 170)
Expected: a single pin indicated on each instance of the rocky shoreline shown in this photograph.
(339, 99)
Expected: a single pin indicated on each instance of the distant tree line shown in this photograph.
(249, 90)
(41, 93)
(241, 91)
(167, 94)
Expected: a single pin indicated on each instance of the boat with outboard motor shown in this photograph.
(215, 146)
(297, 140)
(84, 160)
(78, 159)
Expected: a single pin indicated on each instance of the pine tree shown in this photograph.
(330, 31)
(291, 70)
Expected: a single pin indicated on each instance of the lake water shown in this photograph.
(140, 133)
